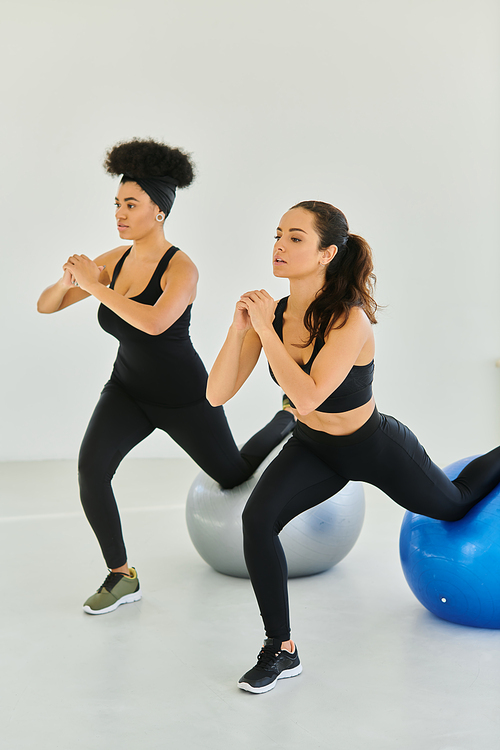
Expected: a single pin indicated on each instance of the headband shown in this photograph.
(161, 190)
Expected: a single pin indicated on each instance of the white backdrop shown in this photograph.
(387, 108)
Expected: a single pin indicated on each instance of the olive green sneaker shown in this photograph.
(117, 589)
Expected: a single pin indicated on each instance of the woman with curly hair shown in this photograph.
(320, 348)
(146, 288)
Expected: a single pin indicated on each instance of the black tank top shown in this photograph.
(163, 369)
(354, 391)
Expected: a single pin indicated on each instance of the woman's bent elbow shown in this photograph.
(153, 327)
(215, 403)
(40, 309)
(213, 400)
(304, 408)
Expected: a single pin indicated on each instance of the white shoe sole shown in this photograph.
(286, 673)
(128, 599)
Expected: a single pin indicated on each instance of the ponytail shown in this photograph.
(349, 280)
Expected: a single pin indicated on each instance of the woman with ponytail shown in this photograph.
(320, 347)
(146, 288)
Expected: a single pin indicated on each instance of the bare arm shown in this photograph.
(235, 361)
(180, 289)
(64, 292)
(330, 368)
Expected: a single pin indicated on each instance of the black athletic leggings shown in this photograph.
(314, 465)
(120, 422)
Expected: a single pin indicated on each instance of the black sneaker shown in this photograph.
(272, 665)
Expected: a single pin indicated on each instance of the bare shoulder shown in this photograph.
(359, 319)
(357, 328)
(181, 265)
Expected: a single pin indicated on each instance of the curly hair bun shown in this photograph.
(147, 158)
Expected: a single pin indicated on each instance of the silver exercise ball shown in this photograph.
(313, 542)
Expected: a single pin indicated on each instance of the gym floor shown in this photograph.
(379, 671)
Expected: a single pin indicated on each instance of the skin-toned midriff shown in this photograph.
(338, 424)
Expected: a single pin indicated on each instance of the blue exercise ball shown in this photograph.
(453, 568)
(314, 541)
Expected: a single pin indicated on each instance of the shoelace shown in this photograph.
(267, 656)
(110, 581)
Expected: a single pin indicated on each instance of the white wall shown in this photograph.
(389, 109)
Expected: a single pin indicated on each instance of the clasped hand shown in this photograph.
(83, 271)
(259, 306)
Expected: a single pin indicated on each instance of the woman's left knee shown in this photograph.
(256, 522)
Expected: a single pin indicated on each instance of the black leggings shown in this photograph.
(314, 465)
(119, 423)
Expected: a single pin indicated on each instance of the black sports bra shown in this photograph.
(355, 390)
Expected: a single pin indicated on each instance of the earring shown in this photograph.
(160, 217)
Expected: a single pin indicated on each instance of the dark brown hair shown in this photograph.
(349, 280)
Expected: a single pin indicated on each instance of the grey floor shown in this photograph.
(379, 670)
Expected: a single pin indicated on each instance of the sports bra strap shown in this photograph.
(162, 265)
(158, 272)
(278, 316)
(118, 268)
